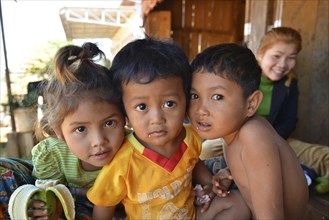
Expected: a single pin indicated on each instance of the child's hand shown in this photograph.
(37, 210)
(203, 196)
(222, 182)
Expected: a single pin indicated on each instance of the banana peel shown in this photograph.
(49, 191)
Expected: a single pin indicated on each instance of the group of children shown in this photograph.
(117, 136)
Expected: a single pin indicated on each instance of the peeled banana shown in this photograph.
(45, 190)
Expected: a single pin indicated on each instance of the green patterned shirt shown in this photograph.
(52, 159)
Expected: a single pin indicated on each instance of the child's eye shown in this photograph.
(80, 129)
(292, 58)
(169, 104)
(141, 107)
(109, 123)
(217, 97)
(194, 96)
(276, 56)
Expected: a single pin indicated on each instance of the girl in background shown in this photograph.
(277, 56)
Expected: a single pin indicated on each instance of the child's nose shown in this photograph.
(282, 63)
(203, 109)
(99, 139)
(156, 116)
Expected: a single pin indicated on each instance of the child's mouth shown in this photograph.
(101, 156)
(157, 134)
(202, 126)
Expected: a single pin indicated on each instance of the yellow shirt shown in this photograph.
(149, 185)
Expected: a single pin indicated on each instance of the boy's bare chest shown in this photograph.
(236, 166)
(238, 173)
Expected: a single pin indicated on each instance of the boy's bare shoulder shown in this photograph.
(258, 130)
(257, 124)
(258, 142)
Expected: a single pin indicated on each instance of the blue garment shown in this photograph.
(14, 172)
(283, 112)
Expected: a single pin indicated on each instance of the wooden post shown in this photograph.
(13, 124)
(12, 147)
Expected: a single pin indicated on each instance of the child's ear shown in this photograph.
(254, 101)
(128, 122)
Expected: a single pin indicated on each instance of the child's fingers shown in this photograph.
(36, 210)
(224, 193)
(207, 204)
(215, 182)
(220, 191)
(205, 207)
(36, 204)
(38, 214)
(207, 189)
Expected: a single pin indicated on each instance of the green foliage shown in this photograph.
(37, 65)
(28, 100)
(42, 58)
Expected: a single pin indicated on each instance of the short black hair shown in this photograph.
(233, 62)
(144, 60)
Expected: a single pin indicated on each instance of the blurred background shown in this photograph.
(32, 31)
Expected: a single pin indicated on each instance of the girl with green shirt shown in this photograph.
(82, 122)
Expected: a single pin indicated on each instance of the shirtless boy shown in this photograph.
(224, 99)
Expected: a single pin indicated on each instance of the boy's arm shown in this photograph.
(202, 176)
(261, 161)
(103, 212)
(222, 182)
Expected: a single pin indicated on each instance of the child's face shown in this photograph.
(155, 110)
(94, 133)
(217, 108)
(279, 60)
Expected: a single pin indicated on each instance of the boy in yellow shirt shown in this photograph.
(152, 172)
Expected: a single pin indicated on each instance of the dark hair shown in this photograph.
(145, 60)
(233, 62)
(76, 76)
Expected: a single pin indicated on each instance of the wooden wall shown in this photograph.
(198, 24)
(312, 20)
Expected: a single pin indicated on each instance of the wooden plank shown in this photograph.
(188, 41)
(209, 39)
(189, 14)
(208, 22)
(258, 21)
(199, 14)
(182, 39)
(177, 12)
(176, 8)
(210, 14)
(223, 20)
(158, 24)
(194, 44)
(26, 142)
